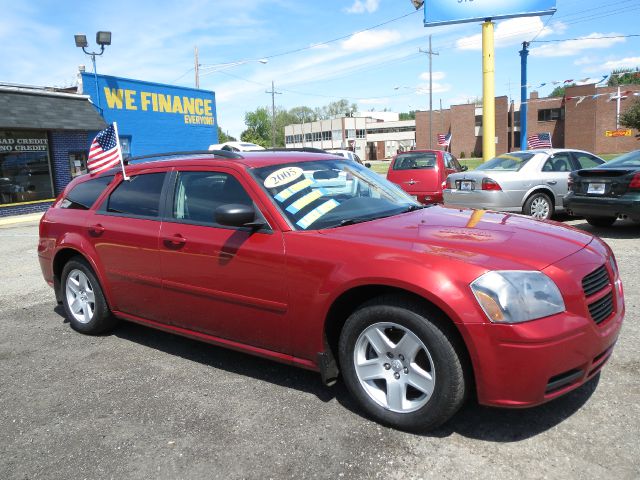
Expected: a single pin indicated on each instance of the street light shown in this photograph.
(102, 39)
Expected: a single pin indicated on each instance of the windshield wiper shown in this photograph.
(413, 208)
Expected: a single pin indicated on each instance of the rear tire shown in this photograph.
(83, 300)
(601, 221)
(539, 206)
(402, 364)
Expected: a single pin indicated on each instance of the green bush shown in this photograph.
(462, 155)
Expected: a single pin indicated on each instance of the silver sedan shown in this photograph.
(533, 182)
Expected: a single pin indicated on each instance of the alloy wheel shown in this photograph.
(394, 367)
(80, 296)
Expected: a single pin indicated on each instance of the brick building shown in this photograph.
(43, 144)
(579, 120)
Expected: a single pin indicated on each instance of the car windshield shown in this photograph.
(410, 161)
(331, 193)
(631, 159)
(510, 162)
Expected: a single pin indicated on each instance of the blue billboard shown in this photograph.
(445, 12)
(154, 117)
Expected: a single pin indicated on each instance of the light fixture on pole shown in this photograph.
(102, 39)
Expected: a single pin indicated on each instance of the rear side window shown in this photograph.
(410, 161)
(586, 161)
(85, 194)
(139, 196)
(512, 161)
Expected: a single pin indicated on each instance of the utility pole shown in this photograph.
(273, 113)
(197, 67)
(524, 53)
(431, 53)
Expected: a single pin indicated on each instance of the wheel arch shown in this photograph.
(350, 300)
(540, 189)
(61, 258)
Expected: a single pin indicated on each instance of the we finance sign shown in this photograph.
(445, 12)
(154, 117)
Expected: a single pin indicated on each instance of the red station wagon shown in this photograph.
(316, 261)
(423, 173)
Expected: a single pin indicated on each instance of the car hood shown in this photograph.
(487, 239)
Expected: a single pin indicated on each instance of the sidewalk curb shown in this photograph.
(15, 219)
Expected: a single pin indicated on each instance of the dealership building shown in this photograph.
(45, 133)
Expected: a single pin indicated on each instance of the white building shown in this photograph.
(369, 138)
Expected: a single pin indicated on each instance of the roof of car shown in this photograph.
(263, 158)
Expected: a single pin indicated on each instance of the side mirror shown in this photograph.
(367, 164)
(464, 168)
(237, 215)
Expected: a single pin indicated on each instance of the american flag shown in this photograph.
(539, 140)
(444, 139)
(104, 152)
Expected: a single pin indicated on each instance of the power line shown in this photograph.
(585, 38)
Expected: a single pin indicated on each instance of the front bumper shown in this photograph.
(586, 206)
(527, 364)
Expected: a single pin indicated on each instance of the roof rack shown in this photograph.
(215, 153)
(298, 149)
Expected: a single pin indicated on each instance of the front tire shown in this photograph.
(539, 206)
(600, 221)
(83, 300)
(402, 364)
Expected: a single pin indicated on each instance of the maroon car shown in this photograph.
(423, 173)
(315, 261)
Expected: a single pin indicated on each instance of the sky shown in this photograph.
(316, 52)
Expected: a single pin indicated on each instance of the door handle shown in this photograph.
(551, 182)
(96, 229)
(175, 241)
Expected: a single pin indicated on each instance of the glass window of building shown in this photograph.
(361, 133)
(25, 170)
(77, 163)
(336, 135)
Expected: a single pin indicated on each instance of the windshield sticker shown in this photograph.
(302, 202)
(282, 177)
(293, 189)
(316, 213)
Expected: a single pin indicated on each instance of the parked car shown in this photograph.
(533, 182)
(416, 307)
(422, 173)
(236, 147)
(607, 192)
(345, 153)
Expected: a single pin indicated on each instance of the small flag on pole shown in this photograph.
(539, 140)
(105, 152)
(444, 139)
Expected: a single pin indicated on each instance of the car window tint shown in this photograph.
(410, 161)
(560, 162)
(587, 161)
(139, 196)
(455, 163)
(198, 194)
(84, 194)
(631, 159)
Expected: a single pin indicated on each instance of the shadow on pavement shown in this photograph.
(621, 229)
(472, 421)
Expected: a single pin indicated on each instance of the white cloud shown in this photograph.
(569, 48)
(436, 76)
(513, 32)
(629, 62)
(369, 40)
(360, 6)
(373, 101)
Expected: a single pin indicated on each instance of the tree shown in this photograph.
(631, 116)
(223, 137)
(303, 114)
(408, 116)
(336, 109)
(624, 76)
(258, 125)
(560, 90)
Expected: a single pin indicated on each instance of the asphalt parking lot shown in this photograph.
(144, 404)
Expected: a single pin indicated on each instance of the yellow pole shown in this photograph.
(488, 93)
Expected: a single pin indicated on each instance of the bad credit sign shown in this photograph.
(446, 12)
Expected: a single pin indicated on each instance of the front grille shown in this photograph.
(601, 309)
(595, 281)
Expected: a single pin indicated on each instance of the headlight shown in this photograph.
(513, 296)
